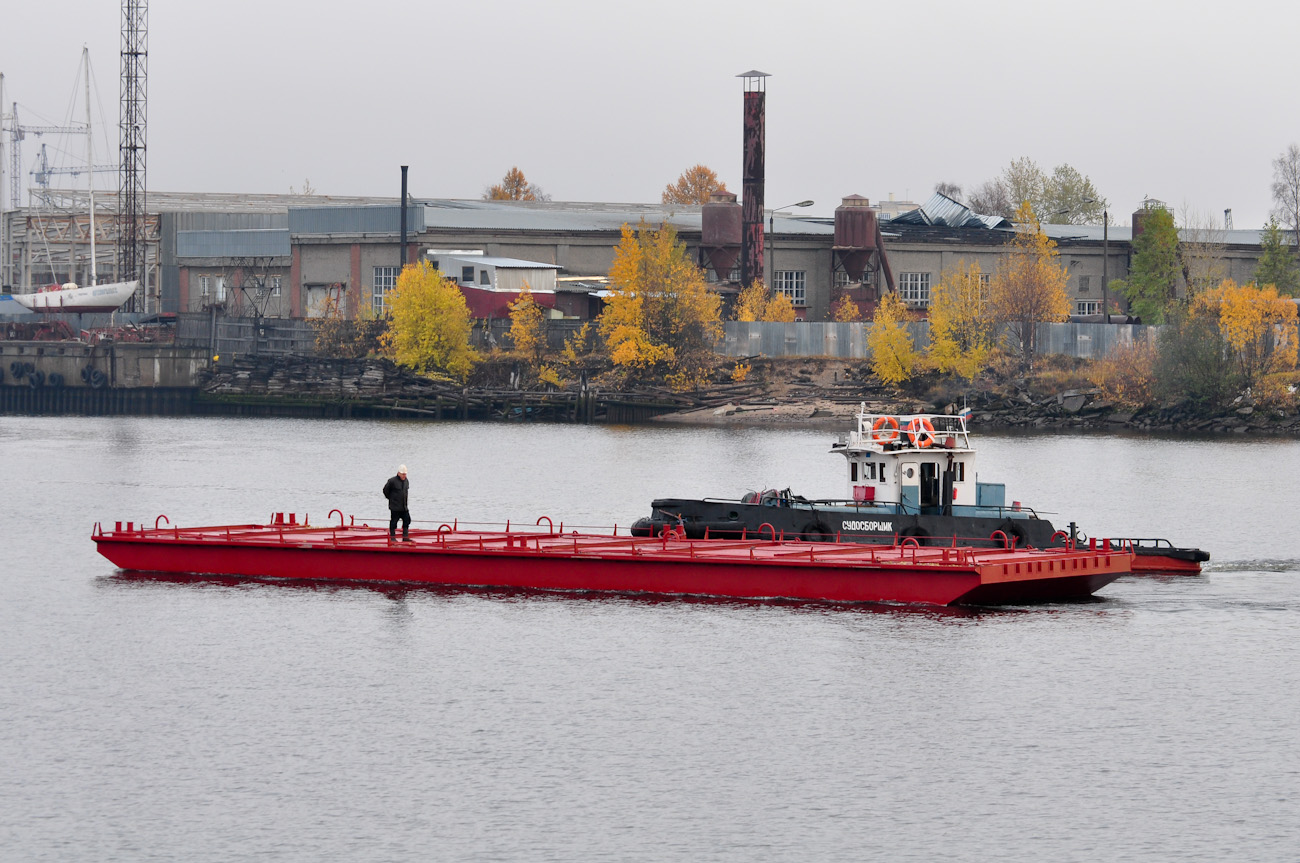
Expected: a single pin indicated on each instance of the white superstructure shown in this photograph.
(922, 461)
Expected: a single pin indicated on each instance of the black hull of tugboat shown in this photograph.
(845, 522)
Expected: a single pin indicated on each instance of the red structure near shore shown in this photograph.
(545, 558)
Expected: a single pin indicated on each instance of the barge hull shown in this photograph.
(752, 569)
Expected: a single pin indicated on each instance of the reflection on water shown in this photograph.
(157, 717)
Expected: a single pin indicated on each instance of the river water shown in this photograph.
(151, 719)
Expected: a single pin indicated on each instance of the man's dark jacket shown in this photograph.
(395, 490)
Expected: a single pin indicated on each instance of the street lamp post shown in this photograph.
(1105, 262)
(771, 230)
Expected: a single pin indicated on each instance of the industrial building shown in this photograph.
(297, 256)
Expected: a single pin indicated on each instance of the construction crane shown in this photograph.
(17, 133)
(43, 171)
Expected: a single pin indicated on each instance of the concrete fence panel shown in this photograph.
(849, 340)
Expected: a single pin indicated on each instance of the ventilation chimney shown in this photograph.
(751, 258)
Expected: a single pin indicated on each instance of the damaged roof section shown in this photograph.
(942, 211)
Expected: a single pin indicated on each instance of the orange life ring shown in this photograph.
(888, 434)
(920, 431)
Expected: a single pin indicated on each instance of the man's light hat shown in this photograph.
(401, 468)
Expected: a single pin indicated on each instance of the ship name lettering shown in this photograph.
(868, 525)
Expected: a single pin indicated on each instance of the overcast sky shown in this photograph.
(1188, 102)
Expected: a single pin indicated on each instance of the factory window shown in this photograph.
(1088, 307)
(274, 283)
(467, 274)
(385, 280)
(842, 279)
(914, 288)
(483, 278)
(793, 284)
(1085, 282)
(205, 286)
(221, 289)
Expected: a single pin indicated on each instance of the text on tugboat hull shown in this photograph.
(868, 525)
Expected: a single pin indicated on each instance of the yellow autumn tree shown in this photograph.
(752, 302)
(778, 308)
(1029, 286)
(514, 186)
(430, 324)
(528, 327)
(694, 186)
(961, 321)
(758, 303)
(1259, 327)
(893, 356)
(844, 310)
(661, 321)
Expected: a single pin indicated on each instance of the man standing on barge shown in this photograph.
(396, 490)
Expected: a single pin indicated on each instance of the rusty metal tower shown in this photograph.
(751, 253)
(131, 241)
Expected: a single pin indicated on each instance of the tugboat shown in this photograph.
(908, 476)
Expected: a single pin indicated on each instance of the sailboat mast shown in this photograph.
(90, 170)
(4, 219)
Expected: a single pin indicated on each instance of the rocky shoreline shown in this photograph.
(823, 394)
(1050, 414)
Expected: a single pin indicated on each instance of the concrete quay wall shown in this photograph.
(62, 365)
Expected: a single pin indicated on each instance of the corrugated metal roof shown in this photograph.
(218, 221)
(942, 211)
(500, 263)
(355, 220)
(261, 243)
(577, 217)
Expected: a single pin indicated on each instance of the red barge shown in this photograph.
(766, 566)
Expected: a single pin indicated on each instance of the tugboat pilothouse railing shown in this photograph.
(884, 432)
(1015, 511)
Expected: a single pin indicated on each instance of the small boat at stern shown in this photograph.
(540, 557)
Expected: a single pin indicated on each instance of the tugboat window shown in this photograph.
(853, 471)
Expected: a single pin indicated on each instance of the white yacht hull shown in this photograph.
(91, 298)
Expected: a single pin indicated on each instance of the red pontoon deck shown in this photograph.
(547, 559)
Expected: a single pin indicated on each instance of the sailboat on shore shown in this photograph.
(69, 297)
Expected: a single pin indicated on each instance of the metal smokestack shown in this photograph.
(402, 262)
(751, 254)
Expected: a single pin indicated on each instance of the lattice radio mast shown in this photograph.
(132, 243)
